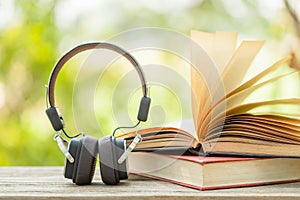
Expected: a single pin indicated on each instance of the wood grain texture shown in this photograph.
(48, 183)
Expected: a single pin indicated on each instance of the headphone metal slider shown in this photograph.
(134, 142)
(60, 143)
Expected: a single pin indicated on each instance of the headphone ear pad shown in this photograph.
(108, 160)
(73, 149)
(120, 149)
(83, 168)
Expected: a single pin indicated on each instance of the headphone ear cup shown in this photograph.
(120, 149)
(108, 160)
(73, 148)
(83, 168)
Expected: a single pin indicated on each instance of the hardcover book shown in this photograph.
(205, 173)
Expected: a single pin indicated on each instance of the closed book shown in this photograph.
(206, 173)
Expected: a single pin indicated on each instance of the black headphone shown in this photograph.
(82, 152)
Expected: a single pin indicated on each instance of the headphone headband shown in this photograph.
(53, 113)
(88, 46)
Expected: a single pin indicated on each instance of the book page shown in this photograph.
(220, 48)
(199, 86)
(231, 77)
(247, 107)
(235, 70)
(256, 79)
(249, 84)
(238, 98)
(273, 119)
(222, 54)
(239, 64)
(199, 90)
(258, 127)
(202, 68)
(204, 40)
(293, 104)
(259, 76)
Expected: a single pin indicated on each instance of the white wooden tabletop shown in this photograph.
(48, 183)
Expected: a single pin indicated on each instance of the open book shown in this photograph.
(228, 124)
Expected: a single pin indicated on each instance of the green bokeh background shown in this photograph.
(34, 34)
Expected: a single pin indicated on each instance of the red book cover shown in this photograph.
(212, 159)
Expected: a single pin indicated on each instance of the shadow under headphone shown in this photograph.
(82, 152)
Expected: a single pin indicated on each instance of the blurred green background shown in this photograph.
(34, 34)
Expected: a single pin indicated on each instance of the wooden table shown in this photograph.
(48, 183)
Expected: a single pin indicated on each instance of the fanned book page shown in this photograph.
(233, 126)
(226, 119)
